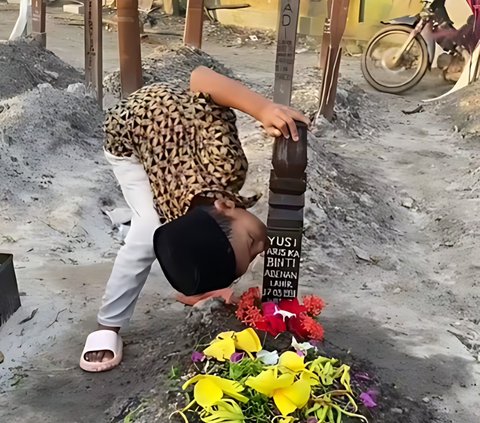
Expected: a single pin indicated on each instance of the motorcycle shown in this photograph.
(398, 57)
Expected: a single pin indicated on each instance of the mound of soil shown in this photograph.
(204, 324)
(54, 178)
(463, 108)
(171, 65)
(24, 65)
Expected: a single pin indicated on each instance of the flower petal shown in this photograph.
(191, 381)
(197, 357)
(269, 308)
(267, 382)
(292, 397)
(230, 388)
(221, 350)
(368, 399)
(264, 382)
(207, 392)
(225, 411)
(225, 335)
(303, 347)
(237, 357)
(269, 358)
(248, 340)
(283, 403)
(291, 362)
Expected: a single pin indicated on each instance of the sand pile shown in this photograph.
(24, 65)
(463, 107)
(170, 65)
(54, 178)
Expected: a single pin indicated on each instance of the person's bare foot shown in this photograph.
(101, 356)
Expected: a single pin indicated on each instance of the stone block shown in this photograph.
(74, 9)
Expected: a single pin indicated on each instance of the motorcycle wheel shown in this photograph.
(395, 88)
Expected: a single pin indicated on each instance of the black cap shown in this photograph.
(195, 254)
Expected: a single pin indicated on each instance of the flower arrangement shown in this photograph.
(234, 380)
(287, 315)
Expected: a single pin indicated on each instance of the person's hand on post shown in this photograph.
(278, 120)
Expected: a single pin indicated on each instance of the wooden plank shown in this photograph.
(331, 62)
(194, 24)
(131, 74)
(285, 58)
(93, 48)
(39, 22)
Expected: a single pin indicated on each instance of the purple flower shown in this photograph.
(300, 353)
(312, 420)
(369, 398)
(236, 357)
(198, 357)
(362, 376)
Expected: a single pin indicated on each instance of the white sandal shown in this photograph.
(102, 340)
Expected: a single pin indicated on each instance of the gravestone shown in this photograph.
(287, 177)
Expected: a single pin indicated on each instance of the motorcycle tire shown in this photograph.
(410, 83)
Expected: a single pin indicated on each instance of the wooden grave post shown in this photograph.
(194, 24)
(39, 13)
(325, 37)
(338, 20)
(131, 74)
(287, 177)
(93, 47)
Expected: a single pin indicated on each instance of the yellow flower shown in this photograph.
(226, 411)
(221, 349)
(287, 394)
(247, 340)
(226, 343)
(210, 389)
(291, 362)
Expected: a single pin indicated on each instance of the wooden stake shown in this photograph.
(131, 74)
(39, 22)
(194, 24)
(93, 47)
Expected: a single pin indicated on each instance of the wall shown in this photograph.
(363, 19)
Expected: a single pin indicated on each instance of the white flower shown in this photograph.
(284, 314)
(303, 347)
(269, 358)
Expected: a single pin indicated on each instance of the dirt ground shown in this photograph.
(391, 236)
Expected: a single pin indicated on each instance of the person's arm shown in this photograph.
(277, 119)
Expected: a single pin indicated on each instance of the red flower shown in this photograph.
(292, 306)
(273, 324)
(314, 329)
(313, 304)
(296, 328)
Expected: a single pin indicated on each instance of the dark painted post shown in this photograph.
(39, 21)
(9, 295)
(338, 20)
(93, 47)
(131, 74)
(287, 177)
(194, 24)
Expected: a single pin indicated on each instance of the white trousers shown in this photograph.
(136, 256)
